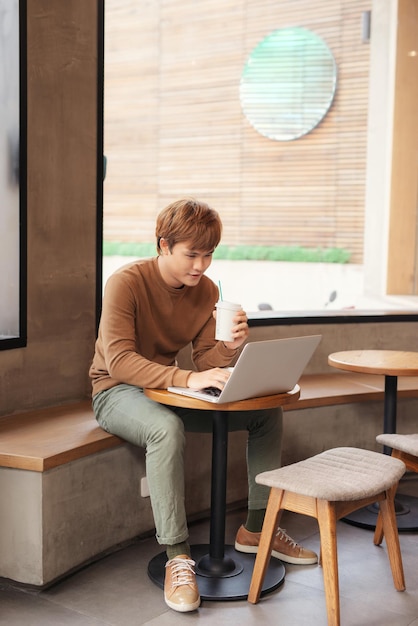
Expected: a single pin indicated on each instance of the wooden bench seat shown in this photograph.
(42, 439)
(45, 438)
(343, 388)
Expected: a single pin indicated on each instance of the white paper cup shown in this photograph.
(225, 313)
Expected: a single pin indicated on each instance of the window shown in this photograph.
(12, 174)
(298, 236)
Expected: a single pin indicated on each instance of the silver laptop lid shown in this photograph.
(263, 368)
(268, 367)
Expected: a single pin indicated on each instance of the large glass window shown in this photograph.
(12, 175)
(181, 118)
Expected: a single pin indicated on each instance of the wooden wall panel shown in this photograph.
(402, 249)
(174, 125)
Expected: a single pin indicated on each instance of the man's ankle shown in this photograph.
(255, 519)
(177, 549)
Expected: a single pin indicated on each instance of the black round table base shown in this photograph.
(406, 514)
(231, 582)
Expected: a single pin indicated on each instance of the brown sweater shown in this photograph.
(145, 323)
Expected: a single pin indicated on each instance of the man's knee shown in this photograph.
(268, 421)
(168, 433)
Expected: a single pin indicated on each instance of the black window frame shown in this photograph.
(20, 341)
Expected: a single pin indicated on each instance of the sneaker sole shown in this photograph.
(278, 555)
(182, 608)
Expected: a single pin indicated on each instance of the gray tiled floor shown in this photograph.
(116, 590)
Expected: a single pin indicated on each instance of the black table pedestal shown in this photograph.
(232, 585)
(222, 573)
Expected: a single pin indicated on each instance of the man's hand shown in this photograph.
(215, 377)
(240, 331)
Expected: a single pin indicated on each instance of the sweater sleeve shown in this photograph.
(116, 350)
(209, 353)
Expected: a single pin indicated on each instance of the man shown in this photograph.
(152, 309)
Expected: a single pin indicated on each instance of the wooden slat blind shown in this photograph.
(174, 124)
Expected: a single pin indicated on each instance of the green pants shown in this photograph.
(125, 411)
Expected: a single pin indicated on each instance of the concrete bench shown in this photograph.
(70, 491)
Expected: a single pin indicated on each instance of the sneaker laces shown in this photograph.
(182, 571)
(283, 536)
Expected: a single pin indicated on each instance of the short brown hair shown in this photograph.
(189, 219)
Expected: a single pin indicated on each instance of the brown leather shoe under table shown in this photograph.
(284, 547)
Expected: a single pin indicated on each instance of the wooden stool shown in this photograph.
(405, 448)
(327, 487)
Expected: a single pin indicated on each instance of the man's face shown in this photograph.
(183, 265)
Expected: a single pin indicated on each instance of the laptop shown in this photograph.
(263, 368)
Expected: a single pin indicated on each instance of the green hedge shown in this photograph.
(241, 253)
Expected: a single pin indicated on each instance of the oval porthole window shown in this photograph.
(288, 83)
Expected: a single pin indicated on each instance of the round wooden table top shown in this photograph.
(252, 404)
(387, 362)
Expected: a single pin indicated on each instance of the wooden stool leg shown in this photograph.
(328, 532)
(266, 542)
(378, 531)
(390, 529)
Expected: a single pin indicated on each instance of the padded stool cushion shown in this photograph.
(339, 474)
(404, 443)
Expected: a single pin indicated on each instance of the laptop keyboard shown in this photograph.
(212, 391)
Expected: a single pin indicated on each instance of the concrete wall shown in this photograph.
(61, 210)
